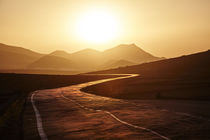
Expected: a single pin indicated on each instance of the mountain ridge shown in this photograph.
(187, 64)
(86, 59)
(53, 63)
(130, 52)
(16, 57)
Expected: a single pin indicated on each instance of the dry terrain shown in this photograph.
(14, 88)
(68, 113)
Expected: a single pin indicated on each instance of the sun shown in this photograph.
(97, 26)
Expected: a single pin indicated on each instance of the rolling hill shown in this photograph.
(129, 52)
(190, 64)
(12, 57)
(60, 53)
(86, 60)
(52, 63)
(125, 54)
(185, 77)
(115, 64)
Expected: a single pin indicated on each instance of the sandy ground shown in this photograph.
(68, 113)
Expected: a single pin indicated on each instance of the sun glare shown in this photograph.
(97, 26)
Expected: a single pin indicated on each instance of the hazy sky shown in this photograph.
(163, 27)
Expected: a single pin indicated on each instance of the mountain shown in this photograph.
(125, 54)
(92, 60)
(60, 53)
(193, 64)
(86, 60)
(19, 50)
(50, 62)
(122, 63)
(129, 52)
(115, 64)
(12, 57)
(89, 54)
(185, 77)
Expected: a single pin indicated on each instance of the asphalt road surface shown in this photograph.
(68, 113)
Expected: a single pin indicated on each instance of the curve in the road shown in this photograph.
(39, 120)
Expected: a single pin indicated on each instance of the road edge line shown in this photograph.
(40, 129)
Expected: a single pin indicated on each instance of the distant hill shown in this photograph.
(52, 63)
(115, 64)
(86, 60)
(185, 77)
(198, 63)
(130, 52)
(125, 54)
(12, 57)
(60, 53)
(20, 50)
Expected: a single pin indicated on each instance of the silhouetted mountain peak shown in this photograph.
(193, 64)
(86, 59)
(87, 51)
(130, 52)
(12, 57)
(133, 45)
(60, 53)
(20, 50)
(128, 45)
(116, 63)
(52, 62)
(126, 48)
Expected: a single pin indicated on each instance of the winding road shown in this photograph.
(68, 113)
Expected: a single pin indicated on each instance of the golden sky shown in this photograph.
(162, 27)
